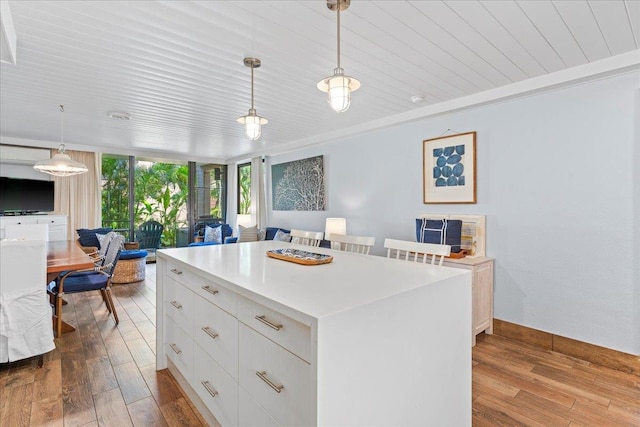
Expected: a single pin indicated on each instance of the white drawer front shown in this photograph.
(290, 405)
(216, 388)
(216, 331)
(179, 348)
(218, 295)
(179, 304)
(289, 333)
(53, 220)
(251, 414)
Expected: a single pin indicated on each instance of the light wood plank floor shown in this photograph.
(103, 375)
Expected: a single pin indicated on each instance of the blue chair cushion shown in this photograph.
(133, 254)
(87, 236)
(81, 282)
(204, 243)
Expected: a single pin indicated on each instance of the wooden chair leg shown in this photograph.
(103, 292)
(58, 315)
(113, 307)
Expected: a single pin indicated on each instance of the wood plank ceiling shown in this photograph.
(176, 66)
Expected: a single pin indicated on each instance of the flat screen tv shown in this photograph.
(23, 196)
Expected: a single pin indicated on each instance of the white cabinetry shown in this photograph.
(57, 224)
(256, 341)
(482, 282)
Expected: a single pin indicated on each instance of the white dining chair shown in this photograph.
(25, 312)
(27, 232)
(309, 238)
(414, 251)
(351, 243)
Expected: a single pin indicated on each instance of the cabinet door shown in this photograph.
(251, 414)
(482, 297)
(216, 331)
(179, 348)
(179, 304)
(215, 387)
(277, 379)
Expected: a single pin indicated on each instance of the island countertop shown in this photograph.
(349, 281)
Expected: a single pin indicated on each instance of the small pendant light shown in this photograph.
(338, 87)
(60, 164)
(253, 123)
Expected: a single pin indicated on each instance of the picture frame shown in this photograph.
(298, 185)
(449, 169)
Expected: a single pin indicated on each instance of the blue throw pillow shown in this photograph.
(87, 236)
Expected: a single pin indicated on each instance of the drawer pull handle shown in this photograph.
(176, 304)
(210, 289)
(209, 389)
(175, 348)
(263, 376)
(176, 271)
(264, 320)
(207, 330)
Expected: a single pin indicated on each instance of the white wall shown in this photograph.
(557, 178)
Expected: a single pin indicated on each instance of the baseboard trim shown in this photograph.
(602, 356)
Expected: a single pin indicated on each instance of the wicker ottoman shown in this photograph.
(131, 267)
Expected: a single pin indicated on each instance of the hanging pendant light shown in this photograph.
(253, 123)
(60, 164)
(339, 87)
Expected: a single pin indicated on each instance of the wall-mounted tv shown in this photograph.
(22, 196)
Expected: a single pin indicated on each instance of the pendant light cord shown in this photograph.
(252, 65)
(61, 148)
(338, 20)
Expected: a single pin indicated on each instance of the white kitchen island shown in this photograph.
(361, 341)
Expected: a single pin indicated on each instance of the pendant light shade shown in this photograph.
(252, 122)
(60, 164)
(338, 87)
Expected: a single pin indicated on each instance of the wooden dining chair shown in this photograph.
(96, 279)
(350, 243)
(414, 251)
(309, 238)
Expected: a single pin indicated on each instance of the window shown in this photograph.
(136, 190)
(210, 192)
(115, 194)
(244, 189)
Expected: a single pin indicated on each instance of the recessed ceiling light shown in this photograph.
(119, 115)
(416, 99)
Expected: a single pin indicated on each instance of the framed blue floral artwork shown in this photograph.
(449, 169)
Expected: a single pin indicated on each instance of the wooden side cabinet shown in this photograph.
(482, 282)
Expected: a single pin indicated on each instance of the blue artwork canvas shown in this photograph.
(298, 185)
(449, 173)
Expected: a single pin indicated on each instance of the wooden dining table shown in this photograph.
(65, 255)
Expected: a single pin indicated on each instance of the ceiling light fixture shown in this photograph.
(119, 115)
(253, 123)
(60, 164)
(339, 87)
